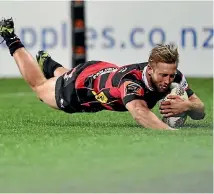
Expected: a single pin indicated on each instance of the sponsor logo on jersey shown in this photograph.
(101, 97)
(133, 88)
(103, 71)
(123, 69)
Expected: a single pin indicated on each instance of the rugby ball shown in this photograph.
(177, 120)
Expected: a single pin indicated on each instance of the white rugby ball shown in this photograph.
(177, 120)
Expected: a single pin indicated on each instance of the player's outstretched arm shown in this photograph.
(144, 116)
(196, 108)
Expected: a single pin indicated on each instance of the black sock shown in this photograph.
(13, 44)
(49, 67)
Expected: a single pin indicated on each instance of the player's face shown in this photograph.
(162, 75)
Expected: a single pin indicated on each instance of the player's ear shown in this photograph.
(150, 69)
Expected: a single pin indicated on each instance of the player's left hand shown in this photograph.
(173, 106)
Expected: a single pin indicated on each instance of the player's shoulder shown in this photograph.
(109, 63)
(94, 62)
(181, 79)
(126, 73)
(129, 68)
(179, 76)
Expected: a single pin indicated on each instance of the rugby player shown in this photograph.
(99, 85)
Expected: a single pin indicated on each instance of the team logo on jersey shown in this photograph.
(69, 74)
(62, 103)
(133, 88)
(101, 97)
(184, 83)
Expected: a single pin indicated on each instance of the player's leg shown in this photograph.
(48, 66)
(45, 89)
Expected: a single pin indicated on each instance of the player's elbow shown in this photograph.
(197, 115)
(200, 114)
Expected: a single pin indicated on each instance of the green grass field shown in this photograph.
(45, 150)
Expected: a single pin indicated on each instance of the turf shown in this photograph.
(45, 150)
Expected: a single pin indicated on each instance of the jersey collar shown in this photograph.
(145, 80)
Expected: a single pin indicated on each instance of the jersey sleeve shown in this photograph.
(130, 90)
(180, 78)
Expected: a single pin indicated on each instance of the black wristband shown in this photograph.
(13, 44)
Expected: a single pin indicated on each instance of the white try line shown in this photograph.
(16, 94)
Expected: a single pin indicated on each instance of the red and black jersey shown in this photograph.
(99, 85)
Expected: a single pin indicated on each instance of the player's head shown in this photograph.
(163, 62)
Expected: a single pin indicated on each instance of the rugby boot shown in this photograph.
(42, 58)
(47, 64)
(9, 36)
(7, 28)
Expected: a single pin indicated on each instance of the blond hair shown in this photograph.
(164, 53)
